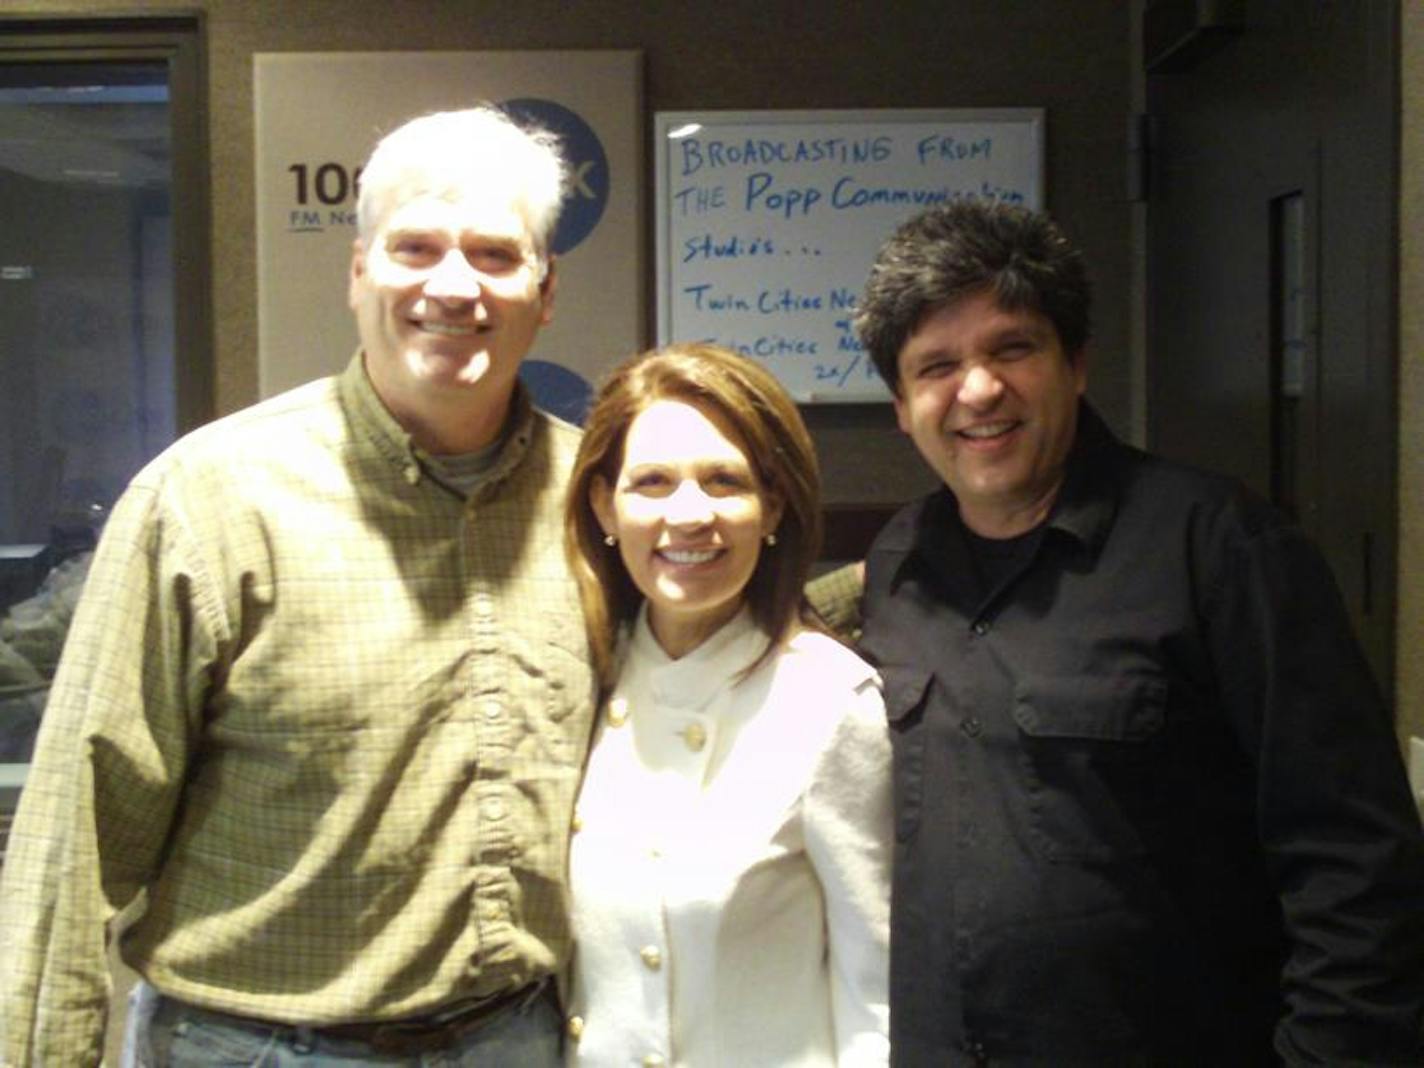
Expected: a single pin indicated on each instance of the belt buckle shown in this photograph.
(400, 1039)
(404, 1037)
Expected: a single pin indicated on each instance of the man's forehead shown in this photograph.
(497, 207)
(981, 310)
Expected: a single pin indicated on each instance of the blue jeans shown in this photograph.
(164, 1033)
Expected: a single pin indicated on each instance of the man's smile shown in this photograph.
(450, 329)
(989, 431)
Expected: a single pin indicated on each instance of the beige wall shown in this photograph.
(1409, 636)
(1069, 57)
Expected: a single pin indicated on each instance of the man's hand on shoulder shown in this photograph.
(835, 598)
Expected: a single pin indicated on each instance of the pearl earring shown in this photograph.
(610, 540)
(770, 540)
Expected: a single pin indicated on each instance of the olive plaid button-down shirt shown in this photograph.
(330, 715)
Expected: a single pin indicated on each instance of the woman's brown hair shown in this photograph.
(765, 420)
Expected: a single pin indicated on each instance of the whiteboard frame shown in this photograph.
(1033, 117)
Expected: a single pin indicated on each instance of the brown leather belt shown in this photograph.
(425, 1034)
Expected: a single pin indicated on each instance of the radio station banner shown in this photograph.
(317, 116)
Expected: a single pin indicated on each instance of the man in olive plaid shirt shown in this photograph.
(327, 695)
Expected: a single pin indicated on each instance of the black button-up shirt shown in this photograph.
(1149, 808)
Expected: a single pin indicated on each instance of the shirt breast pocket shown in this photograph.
(550, 689)
(569, 690)
(1089, 747)
(906, 690)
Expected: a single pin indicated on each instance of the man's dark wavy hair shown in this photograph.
(965, 247)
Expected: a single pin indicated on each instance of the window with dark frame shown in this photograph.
(105, 320)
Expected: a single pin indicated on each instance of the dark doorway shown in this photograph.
(1272, 237)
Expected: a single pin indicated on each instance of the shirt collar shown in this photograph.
(379, 429)
(1084, 509)
(1088, 499)
(693, 680)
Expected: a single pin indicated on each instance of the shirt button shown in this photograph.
(652, 957)
(981, 627)
(493, 809)
(493, 711)
(695, 735)
(617, 713)
(412, 472)
(653, 1060)
(972, 726)
(575, 1027)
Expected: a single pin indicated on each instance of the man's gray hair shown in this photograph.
(447, 152)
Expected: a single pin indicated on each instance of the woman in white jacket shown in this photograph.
(730, 861)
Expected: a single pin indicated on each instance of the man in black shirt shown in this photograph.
(1149, 805)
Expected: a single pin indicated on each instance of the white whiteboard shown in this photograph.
(768, 222)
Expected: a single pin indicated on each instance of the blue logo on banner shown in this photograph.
(588, 168)
(557, 390)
